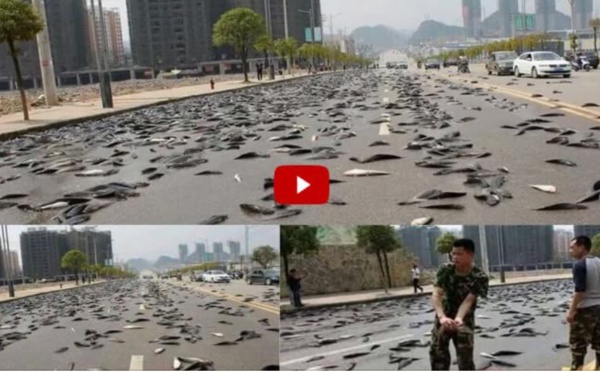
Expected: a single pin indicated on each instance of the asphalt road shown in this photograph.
(239, 289)
(340, 104)
(184, 313)
(348, 330)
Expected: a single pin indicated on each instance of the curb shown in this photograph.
(115, 112)
(288, 311)
(9, 300)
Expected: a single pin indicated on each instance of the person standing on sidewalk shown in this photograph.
(416, 277)
(584, 314)
(456, 288)
(294, 282)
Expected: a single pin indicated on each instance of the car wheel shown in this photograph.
(268, 282)
(567, 76)
(534, 73)
(490, 72)
(517, 73)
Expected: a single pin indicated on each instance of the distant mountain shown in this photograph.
(165, 262)
(139, 264)
(381, 37)
(434, 30)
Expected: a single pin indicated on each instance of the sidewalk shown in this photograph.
(19, 294)
(356, 298)
(12, 125)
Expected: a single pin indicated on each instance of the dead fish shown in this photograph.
(169, 343)
(214, 220)
(138, 320)
(356, 355)
(159, 351)
(315, 358)
(252, 155)
(209, 173)
(590, 104)
(422, 221)
(217, 334)
(562, 207)
(467, 119)
(506, 353)
(544, 188)
(14, 196)
(97, 173)
(444, 206)
(155, 176)
(133, 327)
(503, 363)
(256, 209)
(61, 350)
(562, 162)
(379, 143)
(226, 343)
(365, 173)
(237, 178)
(283, 214)
(149, 170)
(552, 115)
(374, 158)
(79, 344)
(489, 356)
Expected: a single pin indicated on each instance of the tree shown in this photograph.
(378, 240)
(75, 261)
(239, 28)
(265, 45)
(573, 40)
(444, 244)
(595, 25)
(596, 245)
(264, 255)
(19, 21)
(299, 240)
(287, 48)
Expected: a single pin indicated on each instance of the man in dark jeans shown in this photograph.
(294, 282)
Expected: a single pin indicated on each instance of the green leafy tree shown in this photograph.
(265, 45)
(444, 244)
(287, 48)
(596, 245)
(595, 25)
(264, 255)
(298, 240)
(573, 40)
(74, 260)
(19, 22)
(240, 28)
(378, 240)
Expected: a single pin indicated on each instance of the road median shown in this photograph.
(5, 299)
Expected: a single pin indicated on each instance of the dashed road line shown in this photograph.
(137, 363)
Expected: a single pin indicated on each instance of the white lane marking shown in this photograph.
(384, 129)
(142, 307)
(340, 351)
(386, 100)
(386, 91)
(137, 363)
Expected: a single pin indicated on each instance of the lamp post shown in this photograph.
(484, 251)
(103, 77)
(5, 251)
(45, 52)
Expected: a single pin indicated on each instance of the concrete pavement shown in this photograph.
(327, 301)
(41, 118)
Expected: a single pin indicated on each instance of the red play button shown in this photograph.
(301, 185)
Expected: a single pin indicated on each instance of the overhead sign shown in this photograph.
(525, 22)
(308, 34)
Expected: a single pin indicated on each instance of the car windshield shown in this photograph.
(505, 56)
(433, 61)
(271, 272)
(218, 272)
(546, 57)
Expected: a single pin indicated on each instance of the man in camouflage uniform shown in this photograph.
(456, 288)
(584, 314)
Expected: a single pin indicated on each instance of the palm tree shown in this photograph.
(595, 25)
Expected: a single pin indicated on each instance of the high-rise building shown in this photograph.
(421, 241)
(586, 230)
(545, 15)
(96, 245)
(509, 10)
(12, 258)
(234, 250)
(298, 22)
(200, 251)
(42, 251)
(218, 251)
(562, 240)
(67, 25)
(514, 245)
(472, 17)
(183, 253)
(583, 11)
(113, 36)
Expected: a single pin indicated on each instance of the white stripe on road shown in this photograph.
(386, 91)
(386, 100)
(340, 351)
(137, 363)
(142, 307)
(384, 129)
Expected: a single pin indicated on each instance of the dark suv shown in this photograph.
(501, 63)
(592, 59)
(266, 277)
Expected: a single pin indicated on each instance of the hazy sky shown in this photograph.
(400, 14)
(151, 242)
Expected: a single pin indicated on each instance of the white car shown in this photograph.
(539, 64)
(216, 276)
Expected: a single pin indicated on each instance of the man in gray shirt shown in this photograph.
(584, 314)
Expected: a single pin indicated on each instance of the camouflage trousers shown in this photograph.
(463, 339)
(585, 331)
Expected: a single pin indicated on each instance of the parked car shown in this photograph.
(266, 277)
(592, 59)
(402, 66)
(164, 276)
(197, 276)
(540, 64)
(216, 276)
(501, 63)
(431, 64)
(451, 62)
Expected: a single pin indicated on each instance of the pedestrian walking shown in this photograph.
(257, 71)
(456, 289)
(212, 84)
(416, 278)
(294, 282)
(584, 313)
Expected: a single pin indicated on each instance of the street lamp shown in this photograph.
(5, 252)
(101, 62)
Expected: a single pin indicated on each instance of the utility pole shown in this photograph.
(7, 264)
(484, 251)
(312, 21)
(105, 88)
(286, 26)
(45, 53)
